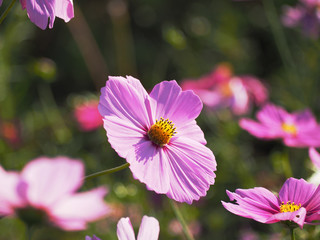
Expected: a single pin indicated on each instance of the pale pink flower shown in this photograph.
(157, 134)
(298, 129)
(149, 229)
(88, 116)
(45, 192)
(221, 89)
(305, 14)
(298, 202)
(315, 157)
(40, 10)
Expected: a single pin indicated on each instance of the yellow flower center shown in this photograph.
(226, 90)
(289, 207)
(161, 132)
(289, 128)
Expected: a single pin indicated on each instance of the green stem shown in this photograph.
(292, 234)
(29, 232)
(181, 220)
(278, 34)
(3, 16)
(108, 171)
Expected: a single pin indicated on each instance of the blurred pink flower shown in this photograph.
(40, 10)
(305, 14)
(88, 116)
(9, 131)
(149, 229)
(158, 136)
(220, 89)
(94, 237)
(299, 129)
(45, 191)
(298, 202)
(315, 157)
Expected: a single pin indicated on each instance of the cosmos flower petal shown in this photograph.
(149, 165)
(94, 237)
(272, 115)
(297, 217)
(193, 131)
(125, 230)
(122, 134)
(296, 190)
(49, 179)
(123, 98)
(39, 11)
(173, 103)
(80, 207)
(149, 229)
(191, 171)
(305, 138)
(261, 195)
(305, 118)
(241, 98)
(9, 197)
(63, 9)
(250, 206)
(315, 157)
(259, 130)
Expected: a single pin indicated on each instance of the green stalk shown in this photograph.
(3, 16)
(278, 34)
(108, 171)
(181, 220)
(292, 234)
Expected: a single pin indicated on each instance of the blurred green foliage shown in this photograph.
(42, 72)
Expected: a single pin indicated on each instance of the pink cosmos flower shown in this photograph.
(45, 191)
(298, 129)
(149, 229)
(315, 157)
(306, 14)
(158, 135)
(298, 202)
(40, 10)
(220, 89)
(92, 238)
(88, 116)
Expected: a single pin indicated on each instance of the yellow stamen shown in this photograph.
(289, 207)
(161, 132)
(289, 128)
(226, 90)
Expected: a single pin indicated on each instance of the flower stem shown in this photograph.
(108, 171)
(278, 34)
(3, 16)
(29, 232)
(292, 234)
(181, 220)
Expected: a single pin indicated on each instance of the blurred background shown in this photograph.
(49, 79)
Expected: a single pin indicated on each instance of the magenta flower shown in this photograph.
(306, 15)
(220, 89)
(149, 229)
(158, 135)
(298, 202)
(40, 10)
(45, 192)
(298, 129)
(88, 116)
(92, 238)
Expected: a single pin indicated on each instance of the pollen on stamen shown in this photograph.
(289, 128)
(289, 207)
(161, 132)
